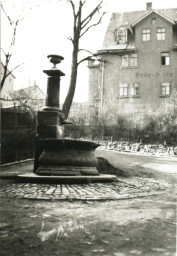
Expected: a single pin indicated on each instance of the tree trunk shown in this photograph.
(70, 95)
(2, 82)
(4, 77)
(80, 27)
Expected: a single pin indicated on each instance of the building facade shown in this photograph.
(139, 60)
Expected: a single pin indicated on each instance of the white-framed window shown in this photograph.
(133, 60)
(121, 36)
(146, 35)
(165, 58)
(161, 34)
(165, 89)
(129, 60)
(134, 89)
(123, 90)
(124, 61)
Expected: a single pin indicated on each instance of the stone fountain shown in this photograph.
(58, 159)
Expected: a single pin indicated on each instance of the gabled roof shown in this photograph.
(129, 19)
(149, 13)
(31, 91)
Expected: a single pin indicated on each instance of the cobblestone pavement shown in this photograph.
(122, 189)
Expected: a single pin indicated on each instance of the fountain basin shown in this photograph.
(64, 157)
(82, 179)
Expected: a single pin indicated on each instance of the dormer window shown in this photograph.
(121, 35)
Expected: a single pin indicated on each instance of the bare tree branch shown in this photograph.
(3, 51)
(10, 72)
(93, 25)
(79, 16)
(84, 59)
(90, 57)
(84, 2)
(10, 21)
(2, 64)
(73, 7)
(8, 55)
(89, 17)
(86, 51)
(92, 13)
(13, 38)
(70, 39)
(86, 22)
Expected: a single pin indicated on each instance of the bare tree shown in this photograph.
(80, 27)
(8, 54)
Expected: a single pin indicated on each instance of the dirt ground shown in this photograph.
(143, 226)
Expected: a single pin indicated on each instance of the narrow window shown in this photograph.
(146, 35)
(123, 90)
(153, 21)
(124, 61)
(134, 89)
(121, 36)
(133, 60)
(161, 34)
(165, 89)
(165, 59)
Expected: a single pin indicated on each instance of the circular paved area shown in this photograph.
(122, 189)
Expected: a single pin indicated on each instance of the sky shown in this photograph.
(44, 30)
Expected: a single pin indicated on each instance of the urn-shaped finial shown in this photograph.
(55, 59)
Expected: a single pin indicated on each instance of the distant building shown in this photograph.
(8, 87)
(31, 95)
(19, 121)
(139, 56)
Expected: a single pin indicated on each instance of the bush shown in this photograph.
(151, 126)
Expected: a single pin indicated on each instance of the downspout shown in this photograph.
(102, 87)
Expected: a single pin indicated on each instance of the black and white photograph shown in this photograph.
(88, 128)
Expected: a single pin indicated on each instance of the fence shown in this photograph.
(19, 129)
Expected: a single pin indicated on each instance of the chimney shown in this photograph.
(148, 6)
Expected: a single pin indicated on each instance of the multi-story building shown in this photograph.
(139, 60)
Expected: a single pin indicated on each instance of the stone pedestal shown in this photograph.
(54, 155)
(50, 119)
(49, 124)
